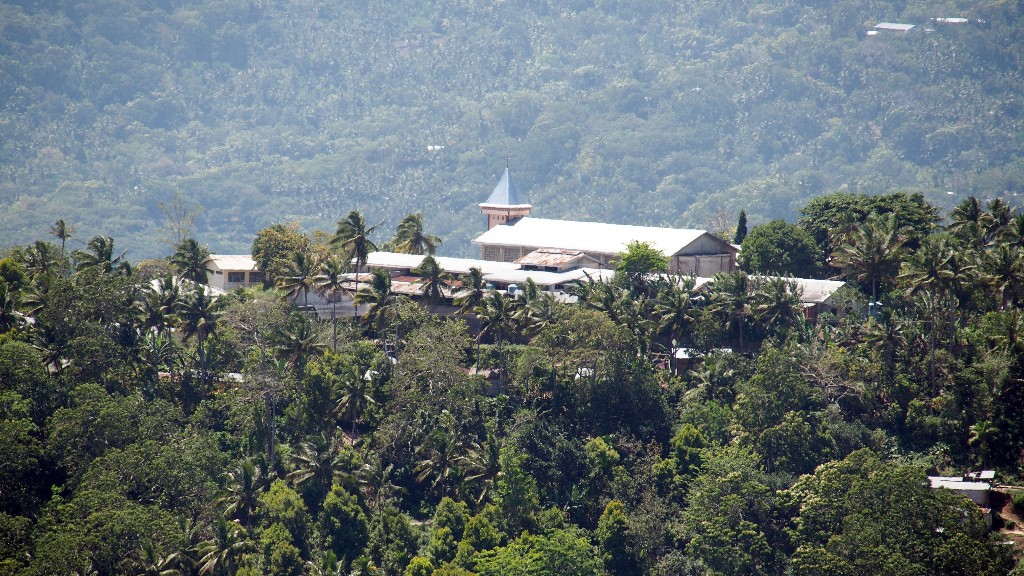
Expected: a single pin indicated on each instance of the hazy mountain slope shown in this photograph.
(671, 113)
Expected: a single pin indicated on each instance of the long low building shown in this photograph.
(512, 234)
(689, 251)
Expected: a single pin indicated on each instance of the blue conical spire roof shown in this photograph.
(506, 193)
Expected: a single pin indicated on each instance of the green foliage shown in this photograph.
(557, 552)
(516, 492)
(613, 538)
(392, 542)
(343, 524)
(633, 266)
(282, 505)
(419, 566)
(780, 249)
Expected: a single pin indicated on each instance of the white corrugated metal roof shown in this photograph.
(450, 265)
(593, 237)
(233, 261)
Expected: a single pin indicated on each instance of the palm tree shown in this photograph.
(776, 303)
(732, 298)
(320, 462)
(410, 238)
(379, 298)
(496, 313)
(674, 309)
(300, 341)
(967, 222)
(1003, 270)
(329, 284)
(150, 561)
(435, 280)
(99, 253)
(243, 484)
(538, 313)
(298, 276)
(930, 267)
(219, 554)
(353, 237)
(198, 313)
(63, 231)
(189, 259)
(355, 396)
(482, 466)
(438, 462)
(472, 292)
(996, 219)
(376, 481)
(41, 258)
(1013, 233)
(873, 252)
(158, 304)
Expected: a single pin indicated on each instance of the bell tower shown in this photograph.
(505, 204)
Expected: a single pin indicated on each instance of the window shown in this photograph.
(255, 277)
(236, 277)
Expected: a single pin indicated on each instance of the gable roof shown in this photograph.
(594, 237)
(232, 262)
(506, 193)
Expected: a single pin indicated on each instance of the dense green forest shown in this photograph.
(147, 429)
(117, 113)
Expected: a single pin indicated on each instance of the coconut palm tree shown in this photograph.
(149, 560)
(299, 342)
(472, 292)
(41, 259)
(674, 309)
(330, 283)
(63, 231)
(158, 304)
(482, 466)
(873, 252)
(1002, 268)
(538, 313)
(189, 259)
(219, 554)
(298, 276)
(379, 298)
(353, 238)
(244, 483)
(99, 253)
(320, 463)
(355, 396)
(436, 282)
(410, 238)
(776, 303)
(731, 297)
(198, 314)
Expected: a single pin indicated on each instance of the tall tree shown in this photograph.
(298, 275)
(472, 291)
(330, 284)
(189, 259)
(353, 238)
(63, 231)
(435, 283)
(873, 252)
(411, 239)
(741, 228)
(99, 253)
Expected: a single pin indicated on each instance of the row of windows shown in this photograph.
(239, 277)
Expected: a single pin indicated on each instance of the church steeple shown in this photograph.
(505, 204)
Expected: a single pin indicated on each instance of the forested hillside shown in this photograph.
(115, 112)
(149, 429)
